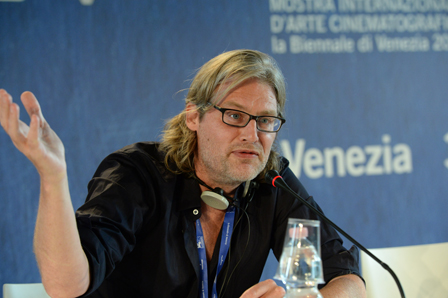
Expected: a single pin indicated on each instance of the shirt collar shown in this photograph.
(190, 199)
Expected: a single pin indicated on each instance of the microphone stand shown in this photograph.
(274, 177)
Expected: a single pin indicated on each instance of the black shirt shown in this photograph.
(137, 230)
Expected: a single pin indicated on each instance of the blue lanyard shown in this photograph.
(226, 235)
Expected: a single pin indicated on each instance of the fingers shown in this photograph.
(32, 105)
(264, 289)
(34, 131)
(13, 124)
(5, 102)
(9, 117)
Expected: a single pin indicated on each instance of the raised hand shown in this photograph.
(62, 262)
(38, 142)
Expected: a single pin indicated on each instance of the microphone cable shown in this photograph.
(274, 177)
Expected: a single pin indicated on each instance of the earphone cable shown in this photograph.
(226, 279)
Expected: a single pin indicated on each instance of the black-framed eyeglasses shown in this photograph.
(239, 118)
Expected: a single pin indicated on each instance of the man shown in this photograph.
(144, 230)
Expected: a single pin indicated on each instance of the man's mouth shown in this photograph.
(246, 153)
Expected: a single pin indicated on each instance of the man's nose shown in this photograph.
(249, 133)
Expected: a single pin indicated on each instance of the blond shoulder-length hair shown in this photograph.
(222, 72)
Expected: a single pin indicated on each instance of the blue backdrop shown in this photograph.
(366, 128)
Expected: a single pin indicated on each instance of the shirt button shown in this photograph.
(195, 212)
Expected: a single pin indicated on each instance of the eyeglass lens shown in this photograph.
(238, 118)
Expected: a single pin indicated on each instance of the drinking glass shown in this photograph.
(300, 265)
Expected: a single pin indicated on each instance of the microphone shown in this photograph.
(276, 180)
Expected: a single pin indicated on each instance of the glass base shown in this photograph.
(311, 292)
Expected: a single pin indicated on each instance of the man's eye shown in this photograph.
(234, 115)
(266, 120)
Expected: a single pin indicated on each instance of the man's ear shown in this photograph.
(192, 116)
